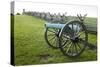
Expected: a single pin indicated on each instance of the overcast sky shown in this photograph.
(72, 10)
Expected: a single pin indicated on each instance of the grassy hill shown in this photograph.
(31, 48)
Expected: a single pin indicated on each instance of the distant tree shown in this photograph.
(18, 14)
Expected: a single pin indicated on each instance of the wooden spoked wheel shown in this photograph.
(73, 38)
(52, 37)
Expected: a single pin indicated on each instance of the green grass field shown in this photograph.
(31, 48)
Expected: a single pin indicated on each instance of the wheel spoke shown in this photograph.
(72, 30)
(72, 49)
(51, 34)
(64, 43)
(52, 38)
(77, 28)
(81, 33)
(76, 48)
(68, 31)
(68, 47)
(72, 27)
(82, 41)
(80, 30)
(51, 31)
(66, 36)
(78, 45)
(53, 41)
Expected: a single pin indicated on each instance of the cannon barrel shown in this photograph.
(60, 26)
(54, 25)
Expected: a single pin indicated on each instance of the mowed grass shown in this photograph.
(92, 21)
(31, 47)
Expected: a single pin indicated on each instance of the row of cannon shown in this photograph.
(55, 18)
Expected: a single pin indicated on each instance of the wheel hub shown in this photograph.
(75, 39)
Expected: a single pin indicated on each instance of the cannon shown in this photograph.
(71, 38)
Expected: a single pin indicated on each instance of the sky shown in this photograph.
(71, 10)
